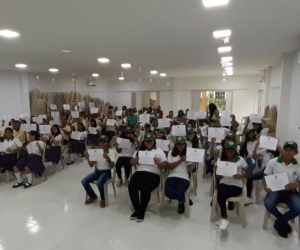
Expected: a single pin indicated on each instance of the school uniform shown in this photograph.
(20, 135)
(53, 153)
(94, 139)
(124, 160)
(78, 146)
(102, 174)
(110, 130)
(8, 160)
(64, 135)
(33, 161)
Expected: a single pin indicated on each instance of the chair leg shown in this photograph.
(155, 201)
(212, 186)
(114, 188)
(267, 215)
(106, 194)
(257, 191)
(162, 199)
(299, 226)
(237, 207)
(7, 173)
(63, 161)
(243, 215)
(187, 204)
(213, 208)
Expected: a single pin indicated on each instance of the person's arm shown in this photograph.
(134, 161)
(270, 127)
(67, 132)
(246, 126)
(213, 152)
(110, 162)
(175, 164)
(216, 113)
(256, 155)
(91, 163)
(268, 171)
(245, 175)
(56, 142)
(161, 165)
(40, 148)
(191, 167)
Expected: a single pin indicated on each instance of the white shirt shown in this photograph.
(250, 148)
(242, 165)
(103, 163)
(264, 131)
(13, 144)
(204, 130)
(181, 170)
(277, 166)
(266, 156)
(157, 153)
(42, 144)
(56, 138)
(83, 135)
(128, 152)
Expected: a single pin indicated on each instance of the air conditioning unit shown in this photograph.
(90, 82)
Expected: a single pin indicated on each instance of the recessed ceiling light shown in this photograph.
(226, 59)
(153, 72)
(66, 51)
(230, 64)
(103, 60)
(222, 33)
(9, 33)
(53, 70)
(126, 65)
(95, 75)
(229, 73)
(224, 49)
(121, 78)
(229, 68)
(224, 80)
(163, 74)
(214, 3)
(21, 65)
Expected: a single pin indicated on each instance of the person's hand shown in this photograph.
(237, 176)
(156, 160)
(131, 136)
(291, 186)
(39, 146)
(268, 190)
(116, 145)
(9, 150)
(257, 138)
(183, 158)
(87, 157)
(106, 157)
(213, 140)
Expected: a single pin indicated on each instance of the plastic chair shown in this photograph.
(34, 175)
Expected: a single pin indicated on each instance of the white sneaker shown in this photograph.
(218, 222)
(126, 183)
(119, 183)
(224, 224)
(248, 201)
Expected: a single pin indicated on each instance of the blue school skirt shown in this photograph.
(8, 161)
(33, 162)
(53, 154)
(94, 139)
(77, 147)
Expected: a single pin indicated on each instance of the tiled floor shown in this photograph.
(52, 215)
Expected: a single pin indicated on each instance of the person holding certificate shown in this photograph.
(288, 192)
(248, 148)
(94, 133)
(148, 161)
(77, 145)
(33, 162)
(65, 129)
(102, 172)
(191, 137)
(109, 125)
(178, 180)
(229, 186)
(53, 153)
(125, 155)
(10, 157)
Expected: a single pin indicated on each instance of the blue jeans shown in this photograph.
(251, 165)
(175, 188)
(101, 177)
(290, 198)
(208, 160)
(254, 177)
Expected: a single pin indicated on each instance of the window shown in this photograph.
(220, 95)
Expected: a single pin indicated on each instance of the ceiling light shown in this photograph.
(21, 65)
(214, 3)
(224, 49)
(229, 73)
(153, 72)
(53, 70)
(226, 59)
(126, 65)
(95, 75)
(229, 68)
(221, 33)
(121, 78)
(230, 64)
(163, 74)
(103, 60)
(9, 33)
(66, 51)
(224, 80)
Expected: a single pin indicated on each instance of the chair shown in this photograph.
(34, 175)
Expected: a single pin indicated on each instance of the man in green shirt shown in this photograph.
(131, 118)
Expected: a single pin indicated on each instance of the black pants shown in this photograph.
(225, 192)
(123, 161)
(143, 182)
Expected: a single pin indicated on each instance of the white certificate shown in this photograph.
(94, 110)
(32, 148)
(255, 118)
(119, 113)
(164, 123)
(91, 105)
(24, 116)
(28, 127)
(55, 115)
(81, 104)
(145, 118)
(202, 115)
(66, 106)
(93, 130)
(191, 115)
(163, 144)
(178, 130)
(76, 135)
(225, 114)
(123, 143)
(6, 117)
(142, 133)
(53, 107)
(146, 158)
(277, 182)
(195, 154)
(110, 122)
(43, 117)
(45, 129)
(225, 168)
(226, 121)
(38, 120)
(95, 154)
(75, 114)
(3, 146)
(268, 142)
(217, 133)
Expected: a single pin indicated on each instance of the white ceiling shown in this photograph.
(172, 36)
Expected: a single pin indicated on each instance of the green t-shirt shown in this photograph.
(132, 120)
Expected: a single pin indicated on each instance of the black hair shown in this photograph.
(80, 123)
(124, 107)
(176, 152)
(123, 135)
(224, 156)
(180, 111)
(195, 141)
(57, 128)
(11, 130)
(143, 147)
(93, 120)
(259, 129)
(35, 134)
(212, 108)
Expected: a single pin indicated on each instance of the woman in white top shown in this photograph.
(230, 186)
(178, 180)
(191, 137)
(109, 125)
(248, 148)
(125, 155)
(148, 162)
(53, 153)
(10, 157)
(93, 138)
(102, 173)
(77, 146)
(33, 162)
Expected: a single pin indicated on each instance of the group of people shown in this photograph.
(25, 152)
